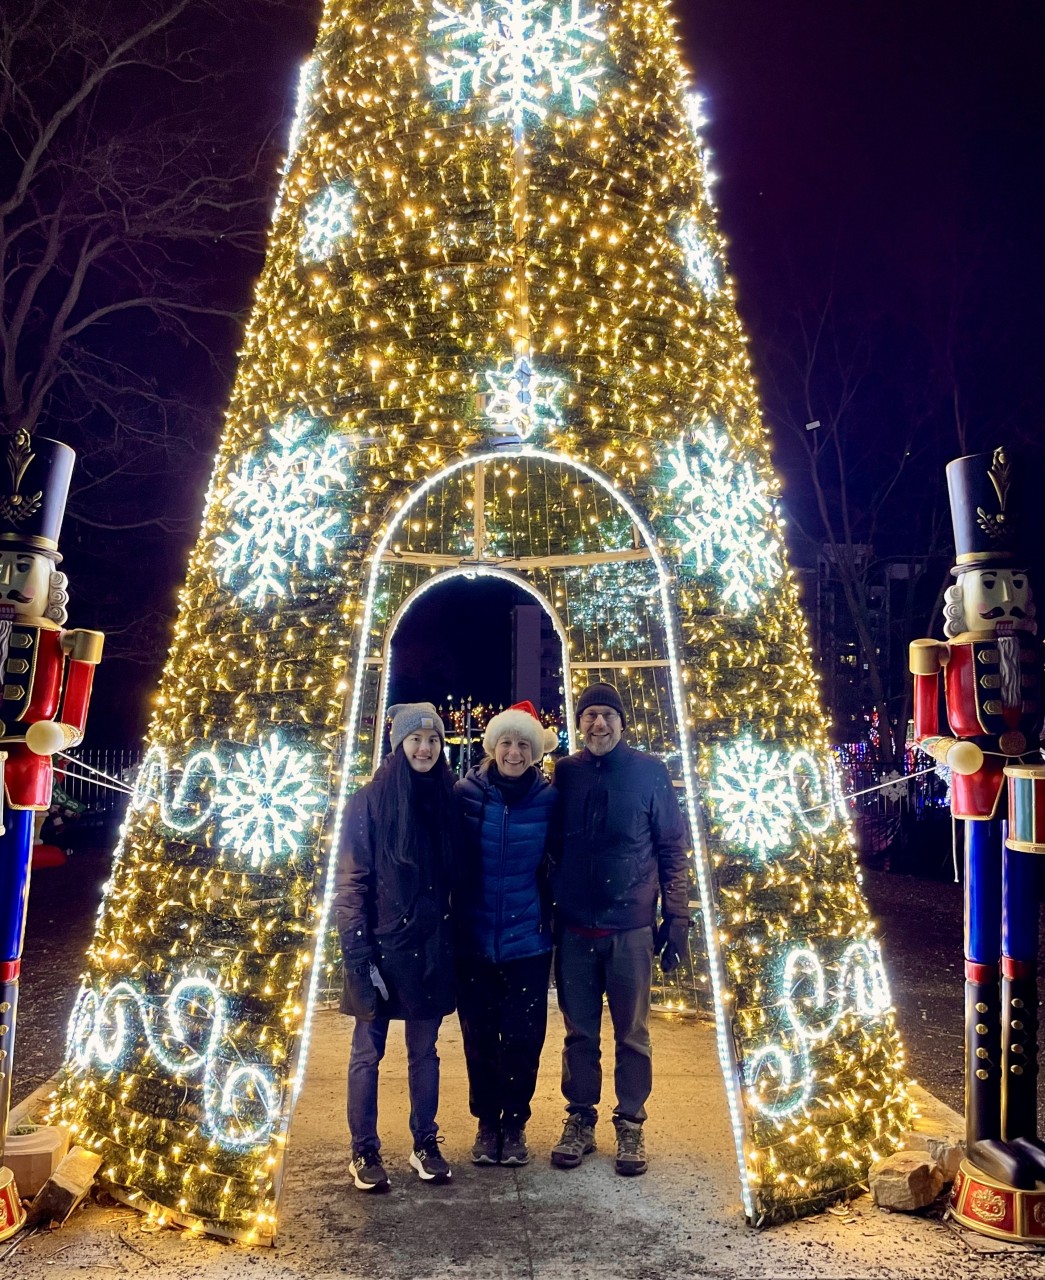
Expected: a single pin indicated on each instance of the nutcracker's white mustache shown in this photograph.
(999, 611)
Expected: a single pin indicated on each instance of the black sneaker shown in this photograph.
(487, 1146)
(428, 1160)
(513, 1147)
(578, 1139)
(368, 1173)
(631, 1147)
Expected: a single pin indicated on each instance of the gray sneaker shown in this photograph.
(577, 1141)
(631, 1147)
(487, 1146)
(513, 1147)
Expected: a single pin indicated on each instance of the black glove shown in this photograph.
(672, 942)
(360, 992)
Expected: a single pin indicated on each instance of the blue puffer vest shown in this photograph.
(501, 906)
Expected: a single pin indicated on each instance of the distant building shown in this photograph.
(536, 658)
(844, 664)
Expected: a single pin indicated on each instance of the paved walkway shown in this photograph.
(681, 1221)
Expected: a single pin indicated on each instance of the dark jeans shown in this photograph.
(504, 1016)
(621, 967)
(368, 1048)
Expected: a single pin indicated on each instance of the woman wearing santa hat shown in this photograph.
(504, 940)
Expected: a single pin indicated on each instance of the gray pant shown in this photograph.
(621, 967)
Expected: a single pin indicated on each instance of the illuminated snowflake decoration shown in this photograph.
(723, 519)
(277, 513)
(754, 800)
(701, 261)
(523, 51)
(328, 221)
(268, 800)
(521, 399)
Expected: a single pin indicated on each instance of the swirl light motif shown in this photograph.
(240, 1110)
(785, 1068)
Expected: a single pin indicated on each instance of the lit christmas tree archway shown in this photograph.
(495, 331)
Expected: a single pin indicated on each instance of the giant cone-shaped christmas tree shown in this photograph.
(494, 335)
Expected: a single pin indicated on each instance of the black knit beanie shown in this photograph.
(601, 695)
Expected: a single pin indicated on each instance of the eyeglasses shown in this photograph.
(609, 715)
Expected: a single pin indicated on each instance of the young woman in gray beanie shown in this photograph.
(502, 912)
(392, 909)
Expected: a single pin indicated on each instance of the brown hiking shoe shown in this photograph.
(631, 1147)
(578, 1139)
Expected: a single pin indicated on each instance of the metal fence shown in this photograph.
(118, 762)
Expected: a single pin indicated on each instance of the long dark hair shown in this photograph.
(414, 810)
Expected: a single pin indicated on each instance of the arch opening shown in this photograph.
(473, 518)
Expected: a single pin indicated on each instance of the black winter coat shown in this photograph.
(620, 838)
(399, 922)
(501, 905)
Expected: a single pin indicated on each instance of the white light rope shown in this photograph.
(113, 784)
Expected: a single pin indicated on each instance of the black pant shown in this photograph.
(504, 1016)
(620, 967)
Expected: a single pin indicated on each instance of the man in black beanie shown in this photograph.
(620, 840)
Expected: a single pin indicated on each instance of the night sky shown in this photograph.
(888, 155)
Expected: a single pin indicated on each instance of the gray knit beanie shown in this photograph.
(409, 717)
(600, 695)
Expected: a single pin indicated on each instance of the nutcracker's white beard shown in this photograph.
(1009, 663)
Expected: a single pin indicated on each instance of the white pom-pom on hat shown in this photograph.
(521, 718)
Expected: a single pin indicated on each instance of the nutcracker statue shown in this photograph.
(991, 669)
(47, 677)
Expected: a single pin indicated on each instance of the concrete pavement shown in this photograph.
(681, 1220)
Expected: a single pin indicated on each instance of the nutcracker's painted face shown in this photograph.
(25, 581)
(31, 583)
(990, 596)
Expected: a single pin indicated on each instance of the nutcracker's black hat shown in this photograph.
(984, 512)
(34, 484)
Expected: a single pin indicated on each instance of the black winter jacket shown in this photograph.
(400, 922)
(620, 837)
(500, 907)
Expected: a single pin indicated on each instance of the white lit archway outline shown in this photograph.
(723, 1036)
(437, 579)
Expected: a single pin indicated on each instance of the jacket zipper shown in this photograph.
(591, 837)
(500, 887)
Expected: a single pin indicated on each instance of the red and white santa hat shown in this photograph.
(521, 718)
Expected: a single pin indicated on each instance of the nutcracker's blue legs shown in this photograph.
(982, 950)
(1001, 906)
(16, 846)
(1019, 1004)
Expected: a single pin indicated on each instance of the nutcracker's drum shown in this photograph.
(1026, 807)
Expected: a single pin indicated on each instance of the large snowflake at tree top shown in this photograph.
(723, 519)
(267, 802)
(523, 51)
(752, 796)
(278, 515)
